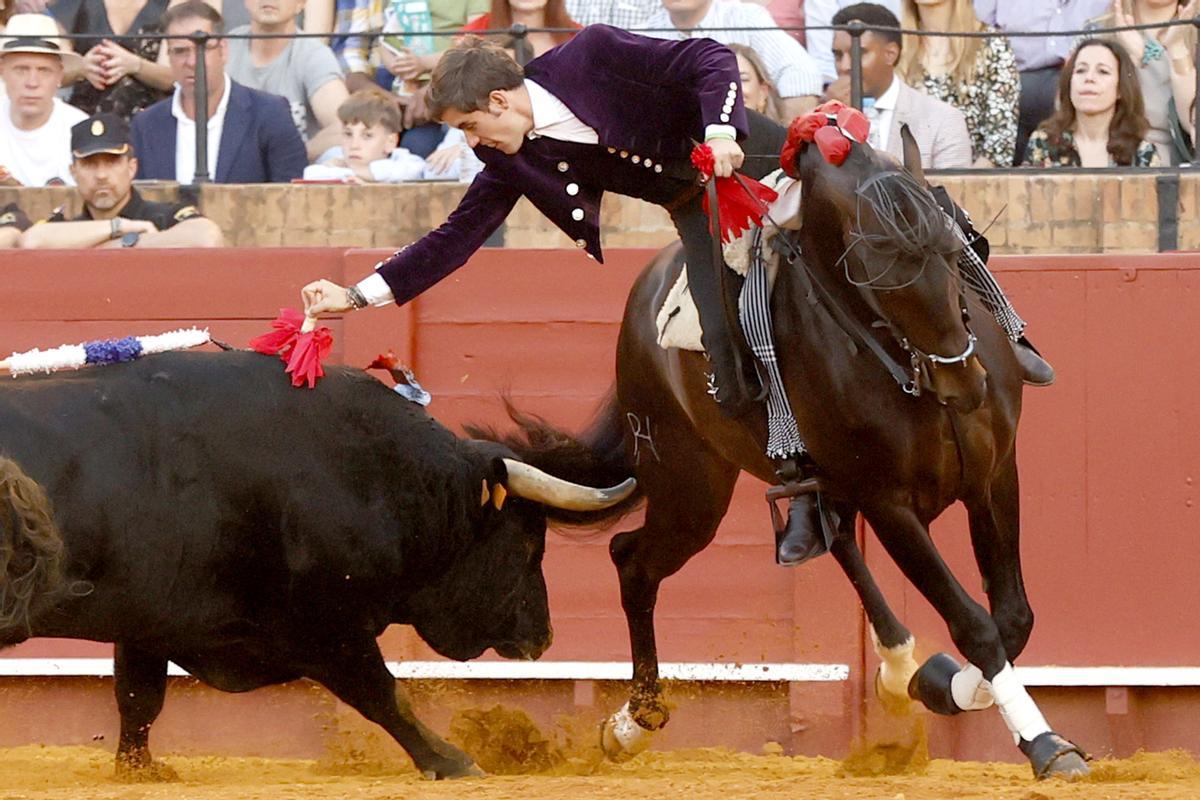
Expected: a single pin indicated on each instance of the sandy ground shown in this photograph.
(527, 765)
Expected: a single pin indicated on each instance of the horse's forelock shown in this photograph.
(908, 221)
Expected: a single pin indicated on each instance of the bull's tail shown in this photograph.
(595, 457)
(31, 549)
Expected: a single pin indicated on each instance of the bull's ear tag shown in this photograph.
(499, 495)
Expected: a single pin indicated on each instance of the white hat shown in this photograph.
(37, 33)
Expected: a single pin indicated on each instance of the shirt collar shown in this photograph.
(131, 209)
(546, 109)
(177, 104)
(887, 100)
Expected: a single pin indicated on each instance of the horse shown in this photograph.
(896, 360)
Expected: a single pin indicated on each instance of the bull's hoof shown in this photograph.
(931, 684)
(147, 770)
(1052, 756)
(898, 705)
(453, 771)
(622, 737)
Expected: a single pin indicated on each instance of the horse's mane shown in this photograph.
(910, 224)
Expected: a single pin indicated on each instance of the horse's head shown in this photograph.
(876, 224)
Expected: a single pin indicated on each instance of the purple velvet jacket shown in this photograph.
(650, 98)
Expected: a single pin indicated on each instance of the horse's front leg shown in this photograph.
(977, 637)
(894, 643)
(679, 524)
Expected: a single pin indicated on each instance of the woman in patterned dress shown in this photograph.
(1101, 120)
(977, 76)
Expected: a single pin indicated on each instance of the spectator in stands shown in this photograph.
(1039, 58)
(978, 76)
(122, 78)
(794, 73)
(251, 138)
(35, 126)
(939, 128)
(789, 14)
(114, 214)
(305, 72)
(630, 15)
(1166, 69)
(370, 149)
(12, 221)
(531, 14)
(757, 90)
(819, 13)
(1101, 118)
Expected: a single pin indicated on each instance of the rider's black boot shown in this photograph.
(1035, 370)
(803, 536)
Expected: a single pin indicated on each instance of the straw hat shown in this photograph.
(37, 33)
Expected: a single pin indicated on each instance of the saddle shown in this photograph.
(678, 321)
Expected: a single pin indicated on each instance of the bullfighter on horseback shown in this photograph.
(607, 111)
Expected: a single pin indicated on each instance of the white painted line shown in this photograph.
(493, 670)
(623, 670)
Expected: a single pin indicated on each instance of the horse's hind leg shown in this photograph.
(893, 642)
(680, 522)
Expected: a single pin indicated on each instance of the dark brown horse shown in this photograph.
(878, 255)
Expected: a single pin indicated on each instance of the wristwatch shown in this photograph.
(130, 239)
(115, 228)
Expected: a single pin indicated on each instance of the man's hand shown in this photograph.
(139, 226)
(441, 161)
(413, 109)
(839, 90)
(727, 156)
(324, 297)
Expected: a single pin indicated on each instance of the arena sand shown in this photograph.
(525, 764)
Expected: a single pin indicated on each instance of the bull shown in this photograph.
(195, 508)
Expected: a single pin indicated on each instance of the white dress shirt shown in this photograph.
(185, 136)
(792, 71)
(885, 109)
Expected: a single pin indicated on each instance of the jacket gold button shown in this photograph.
(563, 166)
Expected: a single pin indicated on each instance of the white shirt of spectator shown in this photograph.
(881, 121)
(792, 70)
(185, 136)
(819, 13)
(38, 156)
(400, 166)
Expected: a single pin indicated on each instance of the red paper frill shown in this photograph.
(829, 125)
(741, 201)
(833, 144)
(303, 353)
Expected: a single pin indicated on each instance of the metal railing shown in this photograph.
(855, 29)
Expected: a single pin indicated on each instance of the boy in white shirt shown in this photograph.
(370, 150)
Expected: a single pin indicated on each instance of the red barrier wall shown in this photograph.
(1108, 457)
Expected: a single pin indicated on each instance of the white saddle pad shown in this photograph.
(678, 321)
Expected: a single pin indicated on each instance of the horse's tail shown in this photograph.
(595, 457)
(31, 549)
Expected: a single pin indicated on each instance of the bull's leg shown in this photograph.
(358, 676)
(140, 683)
(678, 525)
(977, 637)
(893, 642)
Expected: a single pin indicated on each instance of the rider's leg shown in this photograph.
(803, 537)
(972, 263)
(737, 386)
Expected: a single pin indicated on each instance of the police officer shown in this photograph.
(114, 214)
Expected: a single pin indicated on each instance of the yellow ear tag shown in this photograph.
(499, 494)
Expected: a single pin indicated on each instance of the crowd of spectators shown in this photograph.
(350, 107)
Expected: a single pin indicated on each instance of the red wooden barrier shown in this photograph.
(1108, 458)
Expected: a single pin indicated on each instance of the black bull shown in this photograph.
(196, 508)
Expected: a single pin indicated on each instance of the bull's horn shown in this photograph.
(534, 484)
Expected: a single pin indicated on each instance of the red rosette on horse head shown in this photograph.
(832, 125)
(741, 201)
(833, 144)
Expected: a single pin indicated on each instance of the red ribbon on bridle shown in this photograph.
(833, 126)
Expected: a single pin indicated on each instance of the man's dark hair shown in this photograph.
(873, 16)
(467, 73)
(192, 9)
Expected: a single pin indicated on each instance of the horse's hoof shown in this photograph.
(931, 684)
(449, 773)
(621, 737)
(148, 771)
(898, 705)
(1052, 756)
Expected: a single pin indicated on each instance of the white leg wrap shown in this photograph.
(897, 665)
(970, 691)
(1020, 713)
(626, 733)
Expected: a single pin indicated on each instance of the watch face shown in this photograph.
(130, 239)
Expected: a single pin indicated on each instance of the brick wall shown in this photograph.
(1045, 211)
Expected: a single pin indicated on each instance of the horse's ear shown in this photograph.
(912, 154)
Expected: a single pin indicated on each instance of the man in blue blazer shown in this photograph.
(251, 136)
